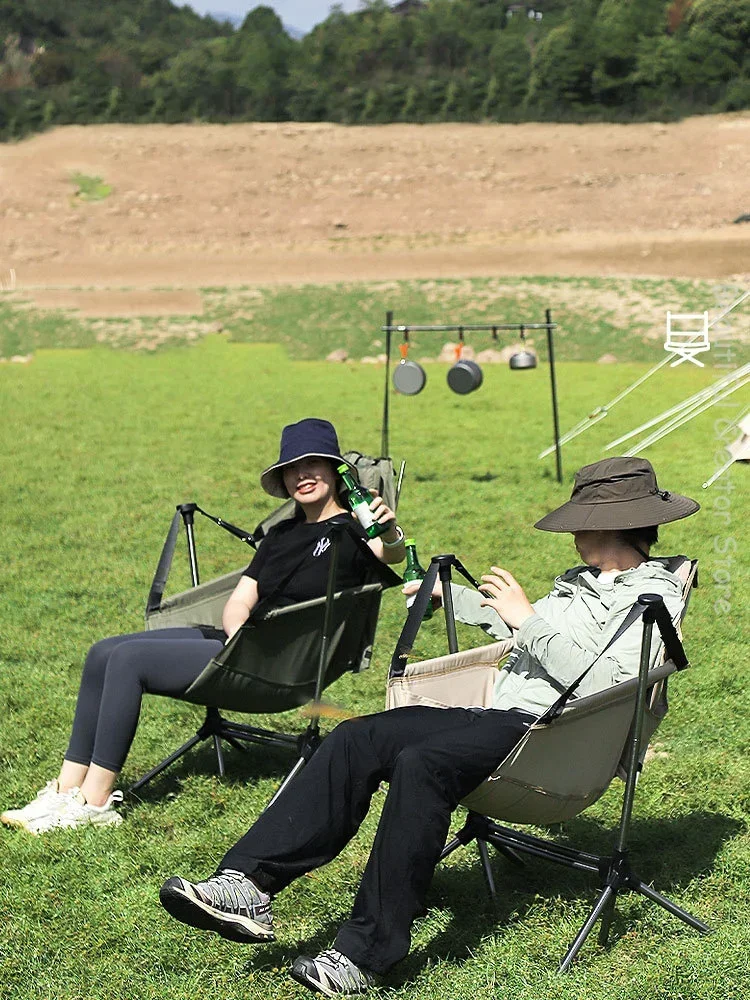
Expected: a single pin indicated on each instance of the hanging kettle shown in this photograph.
(409, 378)
(521, 360)
(524, 358)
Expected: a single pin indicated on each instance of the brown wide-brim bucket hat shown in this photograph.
(617, 494)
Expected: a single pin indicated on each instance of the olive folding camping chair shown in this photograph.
(278, 660)
(567, 759)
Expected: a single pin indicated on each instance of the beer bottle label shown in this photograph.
(363, 514)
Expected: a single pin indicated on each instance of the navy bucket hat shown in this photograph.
(308, 438)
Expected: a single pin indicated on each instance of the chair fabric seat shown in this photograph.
(553, 775)
(271, 665)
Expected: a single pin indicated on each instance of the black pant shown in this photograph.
(432, 758)
(115, 676)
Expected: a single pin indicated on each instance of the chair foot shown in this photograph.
(489, 878)
(602, 903)
(607, 916)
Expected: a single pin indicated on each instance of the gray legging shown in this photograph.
(116, 674)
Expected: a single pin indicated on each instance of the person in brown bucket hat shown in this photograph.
(433, 757)
(617, 494)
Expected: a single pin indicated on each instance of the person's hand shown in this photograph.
(504, 594)
(437, 591)
(382, 513)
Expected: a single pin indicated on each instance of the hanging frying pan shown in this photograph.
(409, 378)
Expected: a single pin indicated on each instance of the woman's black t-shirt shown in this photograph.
(308, 547)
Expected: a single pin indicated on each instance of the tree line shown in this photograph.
(80, 61)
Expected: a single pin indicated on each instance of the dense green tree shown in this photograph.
(151, 60)
(617, 29)
(561, 80)
(509, 65)
(715, 48)
(656, 76)
(260, 54)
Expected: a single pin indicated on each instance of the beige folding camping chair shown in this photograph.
(553, 774)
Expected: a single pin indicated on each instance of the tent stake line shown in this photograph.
(685, 404)
(681, 420)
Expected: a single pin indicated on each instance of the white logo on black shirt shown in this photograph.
(323, 545)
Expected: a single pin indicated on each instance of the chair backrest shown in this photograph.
(271, 665)
(201, 605)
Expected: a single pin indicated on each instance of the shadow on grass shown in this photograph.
(253, 763)
(672, 852)
(669, 852)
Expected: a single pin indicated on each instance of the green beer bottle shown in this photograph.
(359, 500)
(412, 572)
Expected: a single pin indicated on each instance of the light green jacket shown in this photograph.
(569, 627)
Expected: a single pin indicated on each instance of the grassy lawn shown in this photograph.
(98, 446)
(621, 316)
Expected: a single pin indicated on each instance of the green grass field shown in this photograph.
(98, 446)
(595, 316)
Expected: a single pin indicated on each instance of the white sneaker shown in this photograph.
(47, 800)
(75, 812)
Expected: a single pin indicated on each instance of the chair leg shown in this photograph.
(450, 847)
(308, 744)
(617, 876)
(607, 916)
(667, 904)
(300, 763)
(219, 755)
(150, 775)
(484, 854)
(235, 743)
(605, 900)
(211, 728)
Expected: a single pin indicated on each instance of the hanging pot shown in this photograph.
(465, 376)
(409, 378)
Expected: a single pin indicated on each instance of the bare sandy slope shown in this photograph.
(198, 205)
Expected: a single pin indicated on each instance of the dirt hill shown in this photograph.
(257, 203)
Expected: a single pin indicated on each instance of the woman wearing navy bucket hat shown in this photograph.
(290, 566)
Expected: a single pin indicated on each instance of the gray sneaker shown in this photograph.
(228, 903)
(332, 974)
